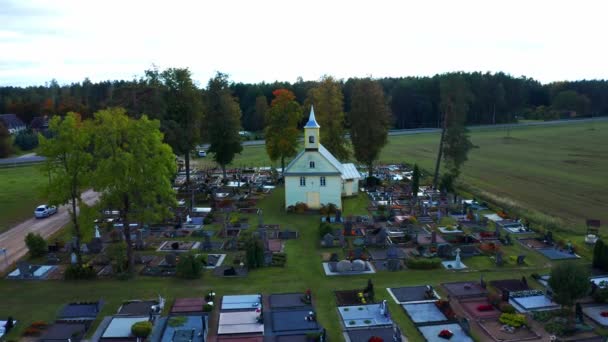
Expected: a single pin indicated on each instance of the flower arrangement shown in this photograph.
(604, 313)
(485, 307)
(445, 333)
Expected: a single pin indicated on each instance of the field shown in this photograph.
(30, 301)
(20, 193)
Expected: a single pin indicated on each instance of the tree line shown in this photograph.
(413, 101)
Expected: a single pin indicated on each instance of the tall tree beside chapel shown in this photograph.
(223, 116)
(133, 170)
(68, 164)
(370, 119)
(184, 113)
(281, 131)
(328, 100)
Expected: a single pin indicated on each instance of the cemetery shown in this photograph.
(240, 238)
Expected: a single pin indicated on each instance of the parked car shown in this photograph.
(45, 210)
(202, 153)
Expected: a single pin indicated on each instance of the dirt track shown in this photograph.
(13, 239)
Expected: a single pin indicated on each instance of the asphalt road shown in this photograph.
(13, 240)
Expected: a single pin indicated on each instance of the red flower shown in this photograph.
(485, 307)
(604, 314)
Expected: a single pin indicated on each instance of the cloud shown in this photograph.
(279, 40)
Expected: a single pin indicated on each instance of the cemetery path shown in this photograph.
(13, 240)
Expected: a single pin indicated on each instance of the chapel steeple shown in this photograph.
(311, 132)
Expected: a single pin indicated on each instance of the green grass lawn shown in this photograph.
(20, 193)
(31, 301)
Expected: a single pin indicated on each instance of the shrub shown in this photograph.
(76, 272)
(300, 208)
(141, 329)
(331, 208)
(556, 327)
(26, 140)
(31, 331)
(208, 307)
(188, 267)
(514, 320)
(323, 210)
(507, 308)
(325, 228)
(207, 220)
(36, 245)
(600, 295)
(423, 263)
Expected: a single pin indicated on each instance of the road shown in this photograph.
(13, 240)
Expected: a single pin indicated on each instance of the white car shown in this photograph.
(45, 210)
(202, 153)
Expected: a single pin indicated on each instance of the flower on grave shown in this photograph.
(445, 333)
(604, 314)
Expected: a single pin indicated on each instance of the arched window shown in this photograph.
(311, 164)
(311, 139)
(322, 181)
(302, 181)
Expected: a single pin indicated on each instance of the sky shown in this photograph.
(254, 41)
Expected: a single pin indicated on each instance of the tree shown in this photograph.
(259, 113)
(569, 282)
(35, 244)
(5, 142)
(184, 113)
(328, 100)
(68, 164)
(415, 181)
(254, 252)
(223, 116)
(281, 131)
(454, 143)
(189, 266)
(26, 140)
(134, 169)
(598, 254)
(369, 119)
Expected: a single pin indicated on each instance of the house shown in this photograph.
(315, 176)
(12, 123)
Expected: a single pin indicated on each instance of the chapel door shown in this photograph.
(313, 200)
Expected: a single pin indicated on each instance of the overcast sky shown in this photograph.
(255, 41)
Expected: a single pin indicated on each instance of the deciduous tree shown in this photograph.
(133, 169)
(328, 101)
(68, 164)
(369, 118)
(569, 282)
(281, 131)
(223, 116)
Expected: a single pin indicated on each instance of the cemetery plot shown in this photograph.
(557, 254)
(366, 335)
(598, 313)
(346, 267)
(464, 289)
(479, 308)
(185, 328)
(214, 260)
(178, 246)
(239, 322)
(81, 311)
(546, 247)
(185, 305)
(241, 302)
(32, 272)
(498, 332)
(431, 333)
(365, 315)
(293, 321)
(287, 300)
(424, 313)
(65, 331)
(413, 294)
(119, 328)
(140, 307)
(230, 271)
(513, 226)
(531, 300)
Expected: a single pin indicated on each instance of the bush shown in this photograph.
(207, 220)
(300, 208)
(423, 263)
(514, 320)
(26, 140)
(36, 245)
(141, 329)
(556, 327)
(507, 308)
(208, 307)
(324, 229)
(331, 208)
(188, 267)
(323, 210)
(76, 272)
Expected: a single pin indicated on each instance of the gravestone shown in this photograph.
(73, 258)
(464, 323)
(344, 266)
(338, 215)
(549, 238)
(139, 240)
(95, 246)
(482, 283)
(358, 253)
(334, 257)
(393, 265)
(328, 240)
(433, 237)
(368, 240)
(341, 240)
(397, 334)
(52, 259)
(521, 259)
(392, 252)
(267, 258)
(170, 259)
(444, 250)
(84, 249)
(24, 269)
(348, 228)
(358, 265)
(206, 242)
(579, 314)
(499, 261)
(381, 237)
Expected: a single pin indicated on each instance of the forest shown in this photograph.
(413, 101)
